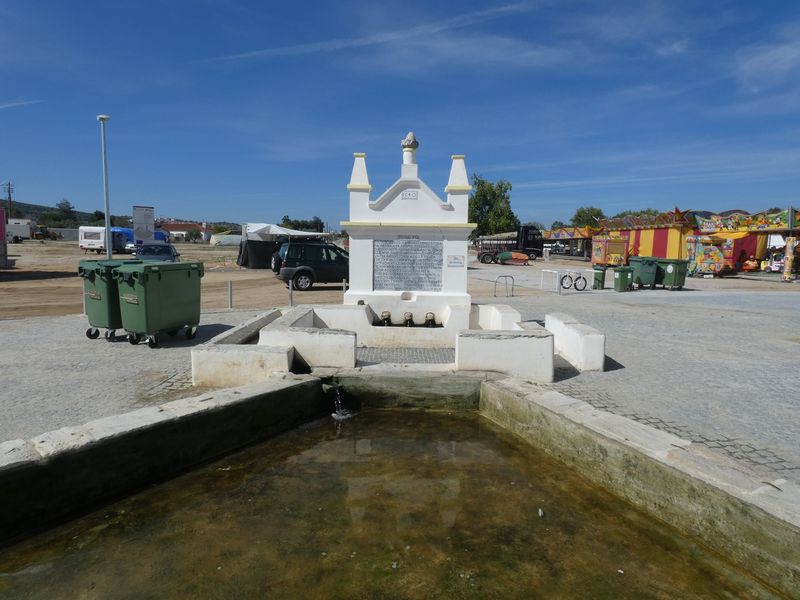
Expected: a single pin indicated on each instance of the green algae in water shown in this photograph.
(392, 505)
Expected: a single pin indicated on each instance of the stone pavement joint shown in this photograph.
(405, 355)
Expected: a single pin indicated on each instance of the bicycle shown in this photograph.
(573, 279)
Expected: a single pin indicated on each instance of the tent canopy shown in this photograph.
(728, 235)
(269, 232)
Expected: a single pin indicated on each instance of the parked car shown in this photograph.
(165, 252)
(306, 262)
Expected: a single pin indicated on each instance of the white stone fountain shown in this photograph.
(408, 289)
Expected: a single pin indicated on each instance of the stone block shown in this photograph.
(232, 365)
(524, 354)
(580, 344)
(316, 347)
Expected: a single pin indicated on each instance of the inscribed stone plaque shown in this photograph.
(455, 260)
(402, 265)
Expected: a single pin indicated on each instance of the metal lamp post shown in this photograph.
(103, 119)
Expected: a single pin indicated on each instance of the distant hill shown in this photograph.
(24, 210)
(34, 211)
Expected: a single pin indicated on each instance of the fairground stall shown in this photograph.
(571, 241)
(661, 236)
(736, 240)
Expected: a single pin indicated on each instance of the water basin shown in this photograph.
(393, 504)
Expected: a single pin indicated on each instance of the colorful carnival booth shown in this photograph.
(661, 236)
(712, 243)
(574, 240)
(736, 240)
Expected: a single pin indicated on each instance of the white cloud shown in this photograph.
(673, 48)
(19, 102)
(769, 65)
(474, 51)
(385, 37)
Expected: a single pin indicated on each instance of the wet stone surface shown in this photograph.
(387, 504)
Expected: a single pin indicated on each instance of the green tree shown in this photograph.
(539, 226)
(50, 219)
(66, 211)
(97, 217)
(314, 224)
(558, 225)
(193, 235)
(587, 216)
(637, 213)
(490, 207)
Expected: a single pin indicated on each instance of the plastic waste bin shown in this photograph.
(157, 297)
(644, 271)
(101, 298)
(599, 277)
(672, 272)
(623, 279)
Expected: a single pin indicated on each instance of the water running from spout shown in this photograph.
(340, 413)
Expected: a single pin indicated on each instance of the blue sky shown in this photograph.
(246, 111)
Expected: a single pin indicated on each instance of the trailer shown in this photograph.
(527, 240)
(93, 239)
(18, 230)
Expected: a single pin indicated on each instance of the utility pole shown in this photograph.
(9, 186)
(109, 242)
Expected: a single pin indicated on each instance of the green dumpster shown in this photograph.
(623, 279)
(672, 272)
(100, 296)
(644, 271)
(599, 277)
(157, 297)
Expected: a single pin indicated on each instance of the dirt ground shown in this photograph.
(44, 281)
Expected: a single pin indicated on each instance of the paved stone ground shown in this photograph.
(54, 376)
(719, 367)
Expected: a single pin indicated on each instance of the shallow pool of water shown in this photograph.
(388, 504)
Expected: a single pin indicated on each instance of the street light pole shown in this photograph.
(109, 243)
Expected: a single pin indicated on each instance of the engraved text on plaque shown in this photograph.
(404, 264)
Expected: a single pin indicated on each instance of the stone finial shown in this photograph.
(409, 141)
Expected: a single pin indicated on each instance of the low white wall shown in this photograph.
(581, 345)
(524, 354)
(493, 317)
(229, 365)
(317, 347)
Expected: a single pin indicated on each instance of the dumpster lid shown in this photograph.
(157, 266)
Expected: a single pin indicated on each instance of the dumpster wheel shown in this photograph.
(92, 333)
(110, 334)
(191, 332)
(134, 338)
(152, 341)
(172, 332)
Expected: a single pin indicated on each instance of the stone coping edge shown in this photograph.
(706, 496)
(64, 473)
